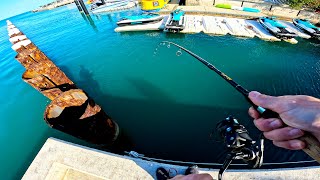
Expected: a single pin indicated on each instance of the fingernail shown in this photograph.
(296, 145)
(295, 132)
(275, 124)
(250, 113)
(254, 94)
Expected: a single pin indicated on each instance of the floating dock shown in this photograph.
(219, 26)
(193, 24)
(260, 31)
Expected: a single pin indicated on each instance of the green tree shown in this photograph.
(298, 4)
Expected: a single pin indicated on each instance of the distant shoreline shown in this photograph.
(53, 5)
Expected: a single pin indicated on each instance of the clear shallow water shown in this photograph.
(168, 105)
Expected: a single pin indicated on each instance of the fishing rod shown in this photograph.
(266, 113)
(313, 145)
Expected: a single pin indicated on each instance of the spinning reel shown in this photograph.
(239, 144)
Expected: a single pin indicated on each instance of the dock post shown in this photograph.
(242, 3)
(271, 7)
(298, 13)
(78, 5)
(91, 22)
(83, 6)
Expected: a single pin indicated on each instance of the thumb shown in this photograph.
(265, 101)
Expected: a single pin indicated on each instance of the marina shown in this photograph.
(200, 21)
(272, 29)
(219, 26)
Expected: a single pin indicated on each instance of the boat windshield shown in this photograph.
(274, 23)
(177, 15)
(308, 24)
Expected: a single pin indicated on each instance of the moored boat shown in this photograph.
(276, 28)
(108, 6)
(307, 27)
(176, 21)
(140, 19)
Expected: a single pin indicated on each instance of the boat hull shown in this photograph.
(129, 22)
(109, 6)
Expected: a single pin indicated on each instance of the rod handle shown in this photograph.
(313, 144)
(267, 113)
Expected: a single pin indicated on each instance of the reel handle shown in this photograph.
(313, 144)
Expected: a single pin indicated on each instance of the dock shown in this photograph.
(58, 160)
(219, 25)
(202, 17)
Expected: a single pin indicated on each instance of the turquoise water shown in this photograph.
(167, 104)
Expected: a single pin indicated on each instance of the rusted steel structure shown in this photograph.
(71, 110)
(86, 121)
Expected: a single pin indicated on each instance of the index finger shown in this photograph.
(253, 113)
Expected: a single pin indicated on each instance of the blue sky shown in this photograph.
(9, 8)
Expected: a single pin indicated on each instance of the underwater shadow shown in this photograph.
(149, 90)
(86, 82)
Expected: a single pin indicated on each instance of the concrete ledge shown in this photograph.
(62, 160)
(204, 8)
(209, 10)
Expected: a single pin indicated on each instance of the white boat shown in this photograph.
(108, 6)
(140, 19)
(154, 26)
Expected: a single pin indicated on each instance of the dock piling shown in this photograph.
(270, 7)
(298, 13)
(83, 6)
(78, 5)
(71, 110)
(75, 113)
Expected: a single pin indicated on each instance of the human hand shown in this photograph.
(298, 113)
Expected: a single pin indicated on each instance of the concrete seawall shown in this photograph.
(58, 159)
